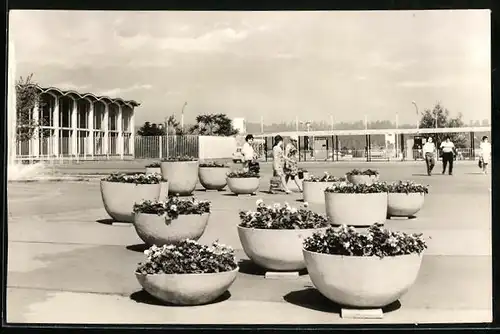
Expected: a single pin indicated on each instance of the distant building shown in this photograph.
(240, 124)
(80, 126)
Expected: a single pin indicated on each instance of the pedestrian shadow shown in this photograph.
(312, 299)
(419, 174)
(140, 248)
(474, 173)
(105, 221)
(143, 297)
(400, 218)
(248, 267)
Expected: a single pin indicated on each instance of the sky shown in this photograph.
(275, 65)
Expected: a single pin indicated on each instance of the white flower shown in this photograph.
(392, 241)
(346, 244)
(259, 202)
(173, 207)
(147, 252)
(306, 204)
(276, 205)
(293, 210)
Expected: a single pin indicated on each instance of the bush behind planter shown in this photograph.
(183, 176)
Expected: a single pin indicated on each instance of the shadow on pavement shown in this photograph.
(145, 298)
(250, 268)
(312, 299)
(422, 174)
(401, 218)
(140, 248)
(105, 221)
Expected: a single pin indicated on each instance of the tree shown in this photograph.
(173, 126)
(27, 97)
(442, 115)
(151, 129)
(213, 125)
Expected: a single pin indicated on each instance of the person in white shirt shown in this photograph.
(485, 154)
(248, 152)
(429, 152)
(448, 150)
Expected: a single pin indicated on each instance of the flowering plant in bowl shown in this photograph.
(369, 172)
(180, 158)
(188, 257)
(377, 241)
(155, 164)
(213, 164)
(349, 188)
(325, 178)
(139, 178)
(173, 207)
(281, 217)
(242, 174)
(407, 187)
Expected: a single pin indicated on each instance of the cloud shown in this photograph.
(121, 91)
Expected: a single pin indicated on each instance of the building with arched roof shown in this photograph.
(76, 125)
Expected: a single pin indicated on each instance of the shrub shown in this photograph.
(278, 217)
(241, 174)
(180, 158)
(188, 257)
(173, 207)
(140, 178)
(349, 188)
(376, 242)
(213, 164)
(153, 165)
(325, 178)
(407, 187)
(370, 172)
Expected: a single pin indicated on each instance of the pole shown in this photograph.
(332, 122)
(261, 124)
(182, 116)
(416, 109)
(297, 123)
(366, 122)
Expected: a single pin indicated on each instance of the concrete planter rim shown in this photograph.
(373, 257)
(336, 193)
(201, 275)
(253, 177)
(281, 230)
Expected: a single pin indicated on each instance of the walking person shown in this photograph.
(248, 152)
(291, 164)
(448, 149)
(278, 165)
(485, 155)
(429, 152)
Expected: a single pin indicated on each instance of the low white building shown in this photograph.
(240, 124)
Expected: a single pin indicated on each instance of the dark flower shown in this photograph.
(174, 207)
(140, 178)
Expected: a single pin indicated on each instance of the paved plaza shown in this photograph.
(67, 264)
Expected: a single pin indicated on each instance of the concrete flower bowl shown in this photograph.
(362, 179)
(153, 170)
(119, 198)
(279, 250)
(213, 178)
(356, 209)
(243, 185)
(159, 230)
(404, 205)
(187, 289)
(182, 176)
(362, 281)
(314, 192)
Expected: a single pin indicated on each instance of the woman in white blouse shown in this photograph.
(485, 154)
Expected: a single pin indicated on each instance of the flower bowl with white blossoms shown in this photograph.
(272, 235)
(172, 221)
(363, 270)
(405, 198)
(119, 192)
(314, 187)
(187, 273)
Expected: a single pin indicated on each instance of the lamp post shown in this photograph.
(416, 110)
(182, 116)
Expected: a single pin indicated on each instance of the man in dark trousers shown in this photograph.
(448, 149)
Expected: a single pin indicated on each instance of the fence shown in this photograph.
(159, 147)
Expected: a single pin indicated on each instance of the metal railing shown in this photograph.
(159, 147)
